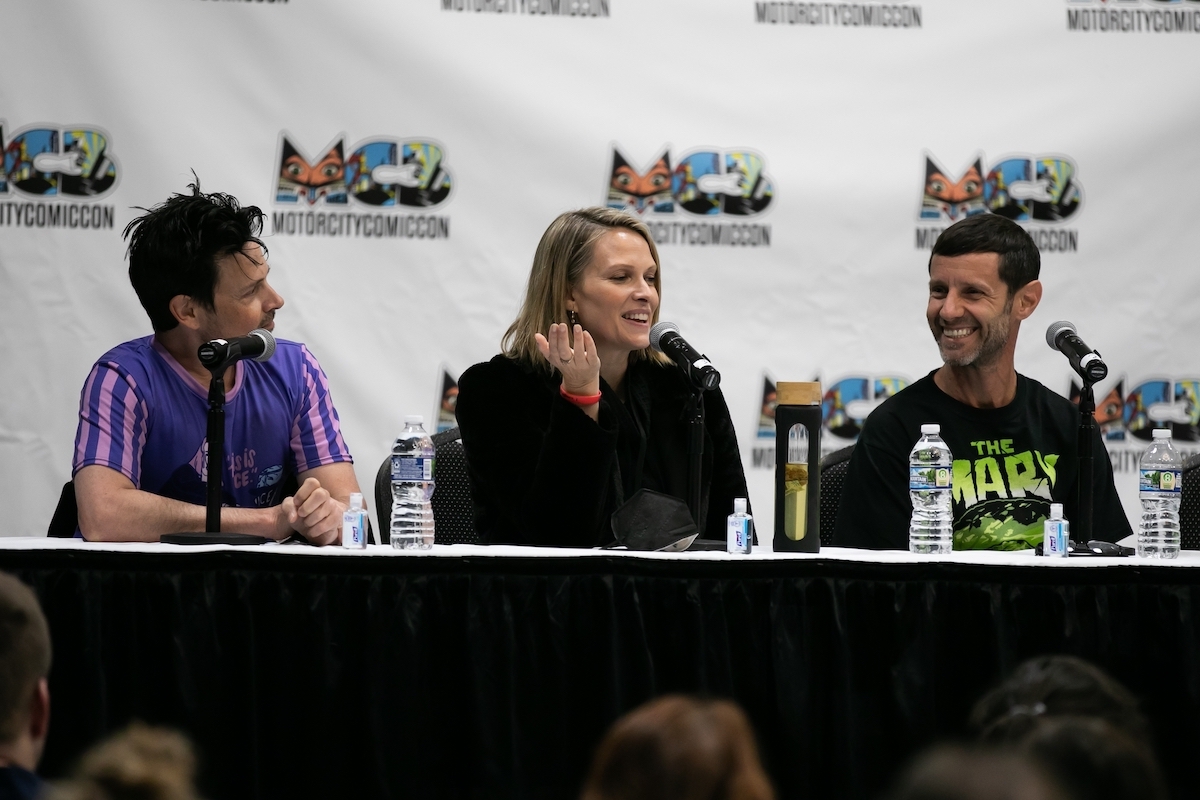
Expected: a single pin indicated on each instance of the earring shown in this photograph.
(572, 318)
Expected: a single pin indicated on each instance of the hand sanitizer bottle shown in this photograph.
(354, 524)
(1058, 533)
(739, 528)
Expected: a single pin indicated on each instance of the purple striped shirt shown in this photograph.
(142, 414)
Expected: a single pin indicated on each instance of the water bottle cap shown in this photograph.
(930, 428)
(414, 419)
(1162, 433)
(1056, 511)
(355, 501)
(739, 505)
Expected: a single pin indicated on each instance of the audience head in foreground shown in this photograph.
(952, 772)
(1092, 759)
(24, 691)
(1051, 686)
(1079, 723)
(138, 763)
(679, 748)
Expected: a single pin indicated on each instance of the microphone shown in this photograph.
(220, 353)
(665, 338)
(1061, 336)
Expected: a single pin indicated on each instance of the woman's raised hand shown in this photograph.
(580, 366)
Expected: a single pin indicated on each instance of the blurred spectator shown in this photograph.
(679, 748)
(1056, 686)
(1094, 760)
(951, 772)
(1079, 724)
(138, 763)
(24, 691)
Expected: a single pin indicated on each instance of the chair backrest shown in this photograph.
(453, 512)
(1189, 506)
(833, 475)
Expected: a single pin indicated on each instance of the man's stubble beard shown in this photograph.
(993, 343)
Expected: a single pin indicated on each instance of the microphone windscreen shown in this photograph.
(268, 344)
(1054, 330)
(656, 333)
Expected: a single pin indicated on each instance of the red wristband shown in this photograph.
(579, 399)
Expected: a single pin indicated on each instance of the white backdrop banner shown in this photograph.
(795, 161)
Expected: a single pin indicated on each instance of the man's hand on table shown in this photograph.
(313, 513)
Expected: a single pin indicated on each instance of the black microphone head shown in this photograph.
(656, 333)
(211, 354)
(1053, 332)
(268, 343)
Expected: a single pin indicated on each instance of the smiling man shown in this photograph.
(140, 462)
(1014, 441)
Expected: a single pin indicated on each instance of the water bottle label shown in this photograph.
(929, 478)
(412, 468)
(1160, 483)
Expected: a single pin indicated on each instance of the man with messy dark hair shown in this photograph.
(140, 465)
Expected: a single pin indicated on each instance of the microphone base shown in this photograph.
(200, 537)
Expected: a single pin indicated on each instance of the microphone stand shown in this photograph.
(695, 417)
(216, 447)
(1087, 488)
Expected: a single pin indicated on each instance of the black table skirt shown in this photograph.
(308, 676)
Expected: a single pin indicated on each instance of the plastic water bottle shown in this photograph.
(1160, 488)
(930, 467)
(412, 486)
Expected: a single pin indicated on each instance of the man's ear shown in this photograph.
(39, 711)
(1027, 299)
(185, 310)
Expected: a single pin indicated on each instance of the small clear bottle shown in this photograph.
(930, 475)
(354, 524)
(1057, 533)
(739, 528)
(1160, 488)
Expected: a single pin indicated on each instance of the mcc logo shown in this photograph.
(845, 406)
(379, 173)
(1031, 190)
(56, 163)
(706, 184)
(1154, 403)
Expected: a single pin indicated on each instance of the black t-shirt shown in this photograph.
(1010, 463)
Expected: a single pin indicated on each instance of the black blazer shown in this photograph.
(543, 472)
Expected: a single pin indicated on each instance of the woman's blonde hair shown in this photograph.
(563, 254)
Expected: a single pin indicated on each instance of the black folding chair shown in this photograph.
(833, 475)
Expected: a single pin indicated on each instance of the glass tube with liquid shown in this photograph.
(795, 487)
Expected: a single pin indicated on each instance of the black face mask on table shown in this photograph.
(651, 520)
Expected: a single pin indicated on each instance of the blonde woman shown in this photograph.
(578, 413)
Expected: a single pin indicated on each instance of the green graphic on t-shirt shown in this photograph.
(1002, 497)
(1001, 525)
